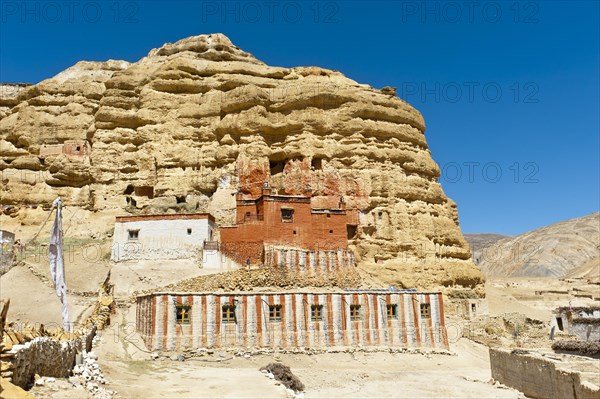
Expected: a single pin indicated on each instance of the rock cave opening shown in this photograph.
(276, 167)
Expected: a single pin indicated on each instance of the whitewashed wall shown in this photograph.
(213, 259)
(160, 239)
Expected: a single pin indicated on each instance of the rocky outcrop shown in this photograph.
(193, 122)
(567, 249)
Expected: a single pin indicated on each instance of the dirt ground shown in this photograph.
(538, 297)
(131, 372)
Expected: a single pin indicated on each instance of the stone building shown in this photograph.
(151, 237)
(69, 147)
(273, 223)
(584, 322)
(172, 321)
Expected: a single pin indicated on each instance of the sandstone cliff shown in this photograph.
(566, 249)
(185, 127)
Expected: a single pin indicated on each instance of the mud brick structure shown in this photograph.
(170, 321)
(584, 322)
(69, 147)
(286, 220)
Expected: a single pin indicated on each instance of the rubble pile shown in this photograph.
(100, 317)
(283, 374)
(509, 330)
(89, 376)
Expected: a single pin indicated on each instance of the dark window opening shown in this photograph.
(317, 163)
(287, 215)
(248, 215)
(133, 234)
(189, 231)
(316, 312)
(351, 229)
(425, 310)
(228, 314)
(78, 148)
(330, 231)
(129, 190)
(329, 215)
(276, 167)
(380, 215)
(473, 308)
(354, 312)
(392, 312)
(294, 231)
(559, 323)
(183, 314)
(274, 312)
(180, 199)
(144, 191)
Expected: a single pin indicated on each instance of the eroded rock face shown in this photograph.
(187, 126)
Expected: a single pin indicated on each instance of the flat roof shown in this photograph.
(311, 291)
(176, 216)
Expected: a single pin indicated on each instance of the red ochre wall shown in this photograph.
(307, 230)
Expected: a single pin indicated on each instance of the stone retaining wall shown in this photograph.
(50, 354)
(539, 377)
(48, 357)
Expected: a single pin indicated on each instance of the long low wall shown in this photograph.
(251, 324)
(539, 377)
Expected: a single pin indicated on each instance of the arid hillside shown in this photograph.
(478, 242)
(566, 249)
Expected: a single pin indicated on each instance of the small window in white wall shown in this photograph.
(189, 231)
(133, 234)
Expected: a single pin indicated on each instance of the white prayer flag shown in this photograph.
(57, 264)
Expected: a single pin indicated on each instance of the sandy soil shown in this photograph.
(129, 370)
(34, 301)
(132, 374)
(518, 294)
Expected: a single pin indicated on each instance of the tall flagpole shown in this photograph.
(57, 263)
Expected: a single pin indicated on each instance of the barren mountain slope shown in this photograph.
(568, 248)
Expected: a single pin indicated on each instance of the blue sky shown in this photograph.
(509, 90)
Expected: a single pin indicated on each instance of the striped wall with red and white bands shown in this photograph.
(252, 328)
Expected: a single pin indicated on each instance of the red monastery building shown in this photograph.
(271, 222)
